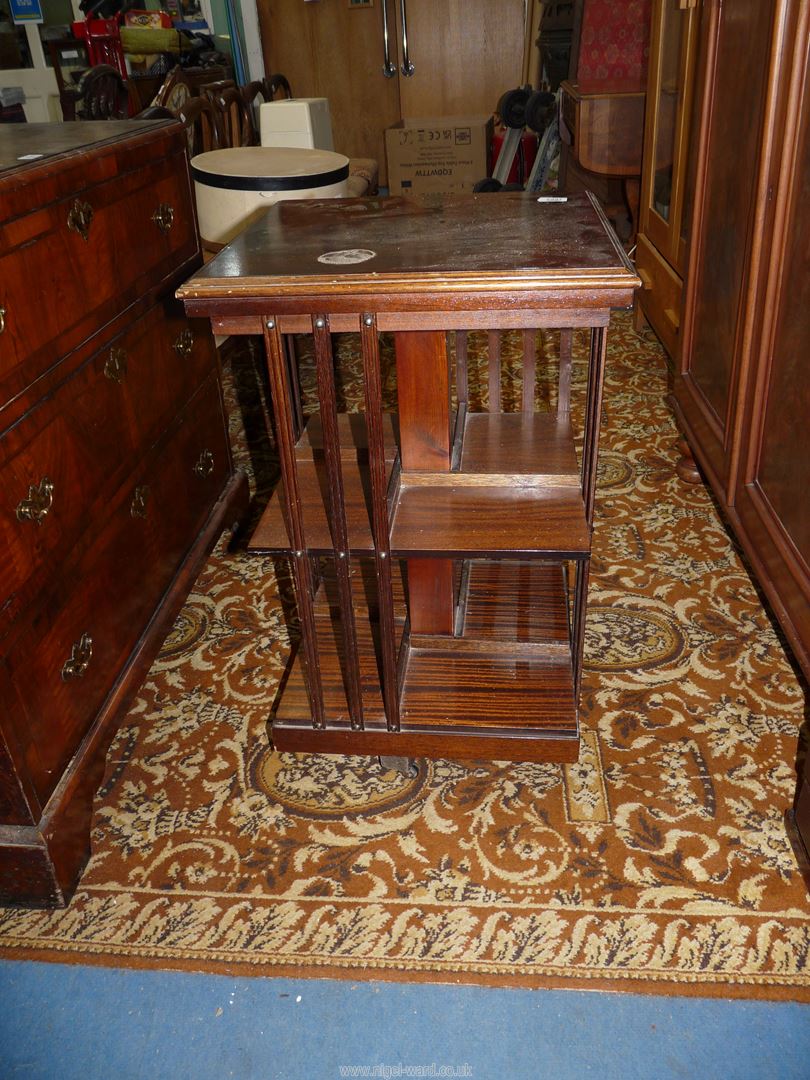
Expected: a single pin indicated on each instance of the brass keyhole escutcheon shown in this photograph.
(80, 217)
(116, 365)
(184, 343)
(138, 507)
(39, 501)
(163, 217)
(205, 464)
(78, 661)
(2, 320)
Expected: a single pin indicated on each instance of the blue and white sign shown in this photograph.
(26, 11)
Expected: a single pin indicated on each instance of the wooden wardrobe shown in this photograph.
(742, 393)
(453, 58)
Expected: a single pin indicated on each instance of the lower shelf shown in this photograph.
(504, 687)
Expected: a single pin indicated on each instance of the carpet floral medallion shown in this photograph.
(657, 863)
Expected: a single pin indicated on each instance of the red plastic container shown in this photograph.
(524, 158)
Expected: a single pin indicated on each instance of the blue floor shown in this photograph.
(63, 1022)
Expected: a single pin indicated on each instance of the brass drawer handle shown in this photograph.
(116, 365)
(2, 320)
(38, 503)
(138, 506)
(184, 343)
(80, 655)
(80, 217)
(205, 464)
(163, 217)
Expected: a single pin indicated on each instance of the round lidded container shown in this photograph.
(233, 186)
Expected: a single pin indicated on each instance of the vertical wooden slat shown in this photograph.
(295, 386)
(494, 357)
(379, 518)
(302, 567)
(462, 383)
(529, 372)
(564, 382)
(578, 621)
(590, 450)
(324, 369)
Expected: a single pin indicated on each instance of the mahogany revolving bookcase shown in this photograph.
(440, 555)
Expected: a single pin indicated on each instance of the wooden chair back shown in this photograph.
(234, 119)
(199, 118)
(100, 94)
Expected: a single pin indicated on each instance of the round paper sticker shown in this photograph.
(348, 255)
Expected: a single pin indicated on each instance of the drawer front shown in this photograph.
(167, 358)
(62, 463)
(72, 266)
(70, 653)
(660, 294)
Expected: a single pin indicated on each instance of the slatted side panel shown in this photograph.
(530, 344)
(280, 390)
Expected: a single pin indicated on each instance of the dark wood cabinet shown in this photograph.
(742, 393)
(116, 471)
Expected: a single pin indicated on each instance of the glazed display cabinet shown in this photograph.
(665, 207)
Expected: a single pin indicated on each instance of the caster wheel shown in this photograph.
(402, 765)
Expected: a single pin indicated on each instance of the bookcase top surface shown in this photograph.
(447, 244)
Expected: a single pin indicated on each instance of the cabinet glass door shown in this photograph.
(669, 96)
(666, 106)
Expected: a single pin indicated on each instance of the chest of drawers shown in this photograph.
(115, 470)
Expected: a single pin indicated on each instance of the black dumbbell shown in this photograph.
(536, 111)
(512, 107)
(487, 185)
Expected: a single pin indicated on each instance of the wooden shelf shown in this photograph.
(509, 676)
(450, 520)
(270, 535)
(517, 492)
(536, 444)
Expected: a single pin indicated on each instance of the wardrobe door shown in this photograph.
(335, 50)
(465, 54)
(739, 61)
(773, 490)
(461, 56)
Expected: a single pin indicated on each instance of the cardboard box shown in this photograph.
(437, 154)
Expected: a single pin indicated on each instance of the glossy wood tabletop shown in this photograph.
(417, 243)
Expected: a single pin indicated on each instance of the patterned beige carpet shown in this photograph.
(658, 863)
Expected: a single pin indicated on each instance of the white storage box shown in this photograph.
(234, 186)
(303, 122)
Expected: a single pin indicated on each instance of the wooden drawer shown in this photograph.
(659, 295)
(60, 281)
(182, 479)
(168, 357)
(87, 437)
(95, 616)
